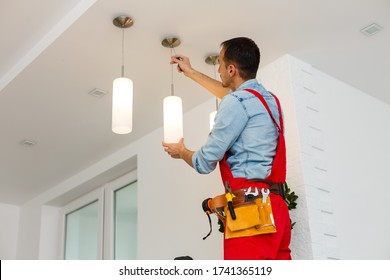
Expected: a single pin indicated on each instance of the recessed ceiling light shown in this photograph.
(96, 92)
(371, 29)
(28, 143)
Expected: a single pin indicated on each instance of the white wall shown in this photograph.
(9, 220)
(320, 192)
(344, 155)
(357, 140)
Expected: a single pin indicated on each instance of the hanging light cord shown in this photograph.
(172, 86)
(215, 77)
(123, 53)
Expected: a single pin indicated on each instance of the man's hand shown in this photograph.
(212, 85)
(174, 149)
(183, 64)
(179, 150)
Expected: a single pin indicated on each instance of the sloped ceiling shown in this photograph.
(54, 52)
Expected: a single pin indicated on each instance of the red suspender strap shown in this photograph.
(280, 112)
(278, 170)
(261, 98)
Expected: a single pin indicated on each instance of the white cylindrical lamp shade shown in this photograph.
(212, 119)
(122, 106)
(173, 119)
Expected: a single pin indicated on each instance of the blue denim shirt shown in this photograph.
(243, 129)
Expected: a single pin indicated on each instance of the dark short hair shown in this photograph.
(244, 54)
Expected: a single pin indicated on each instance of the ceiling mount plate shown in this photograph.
(171, 42)
(212, 59)
(123, 21)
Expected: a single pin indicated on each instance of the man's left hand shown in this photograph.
(174, 149)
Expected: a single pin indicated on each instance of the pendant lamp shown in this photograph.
(173, 108)
(122, 90)
(213, 60)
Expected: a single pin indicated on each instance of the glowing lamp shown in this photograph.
(173, 119)
(122, 106)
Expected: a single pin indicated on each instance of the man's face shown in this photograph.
(223, 72)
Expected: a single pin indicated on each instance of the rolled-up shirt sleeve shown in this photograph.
(229, 123)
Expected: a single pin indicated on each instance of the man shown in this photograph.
(247, 141)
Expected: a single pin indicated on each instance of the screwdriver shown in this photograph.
(229, 197)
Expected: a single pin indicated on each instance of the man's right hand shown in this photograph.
(183, 64)
(212, 85)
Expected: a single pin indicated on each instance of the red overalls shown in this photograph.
(263, 246)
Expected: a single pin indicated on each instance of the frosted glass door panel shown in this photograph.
(82, 233)
(125, 221)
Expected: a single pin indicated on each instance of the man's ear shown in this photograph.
(232, 70)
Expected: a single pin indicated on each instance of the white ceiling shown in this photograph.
(53, 52)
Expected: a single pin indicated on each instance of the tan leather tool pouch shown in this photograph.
(251, 219)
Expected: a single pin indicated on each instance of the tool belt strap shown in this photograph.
(276, 188)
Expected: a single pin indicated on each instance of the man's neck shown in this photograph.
(236, 83)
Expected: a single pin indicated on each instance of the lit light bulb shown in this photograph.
(173, 119)
(122, 106)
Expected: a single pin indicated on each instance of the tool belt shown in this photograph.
(218, 203)
(252, 211)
